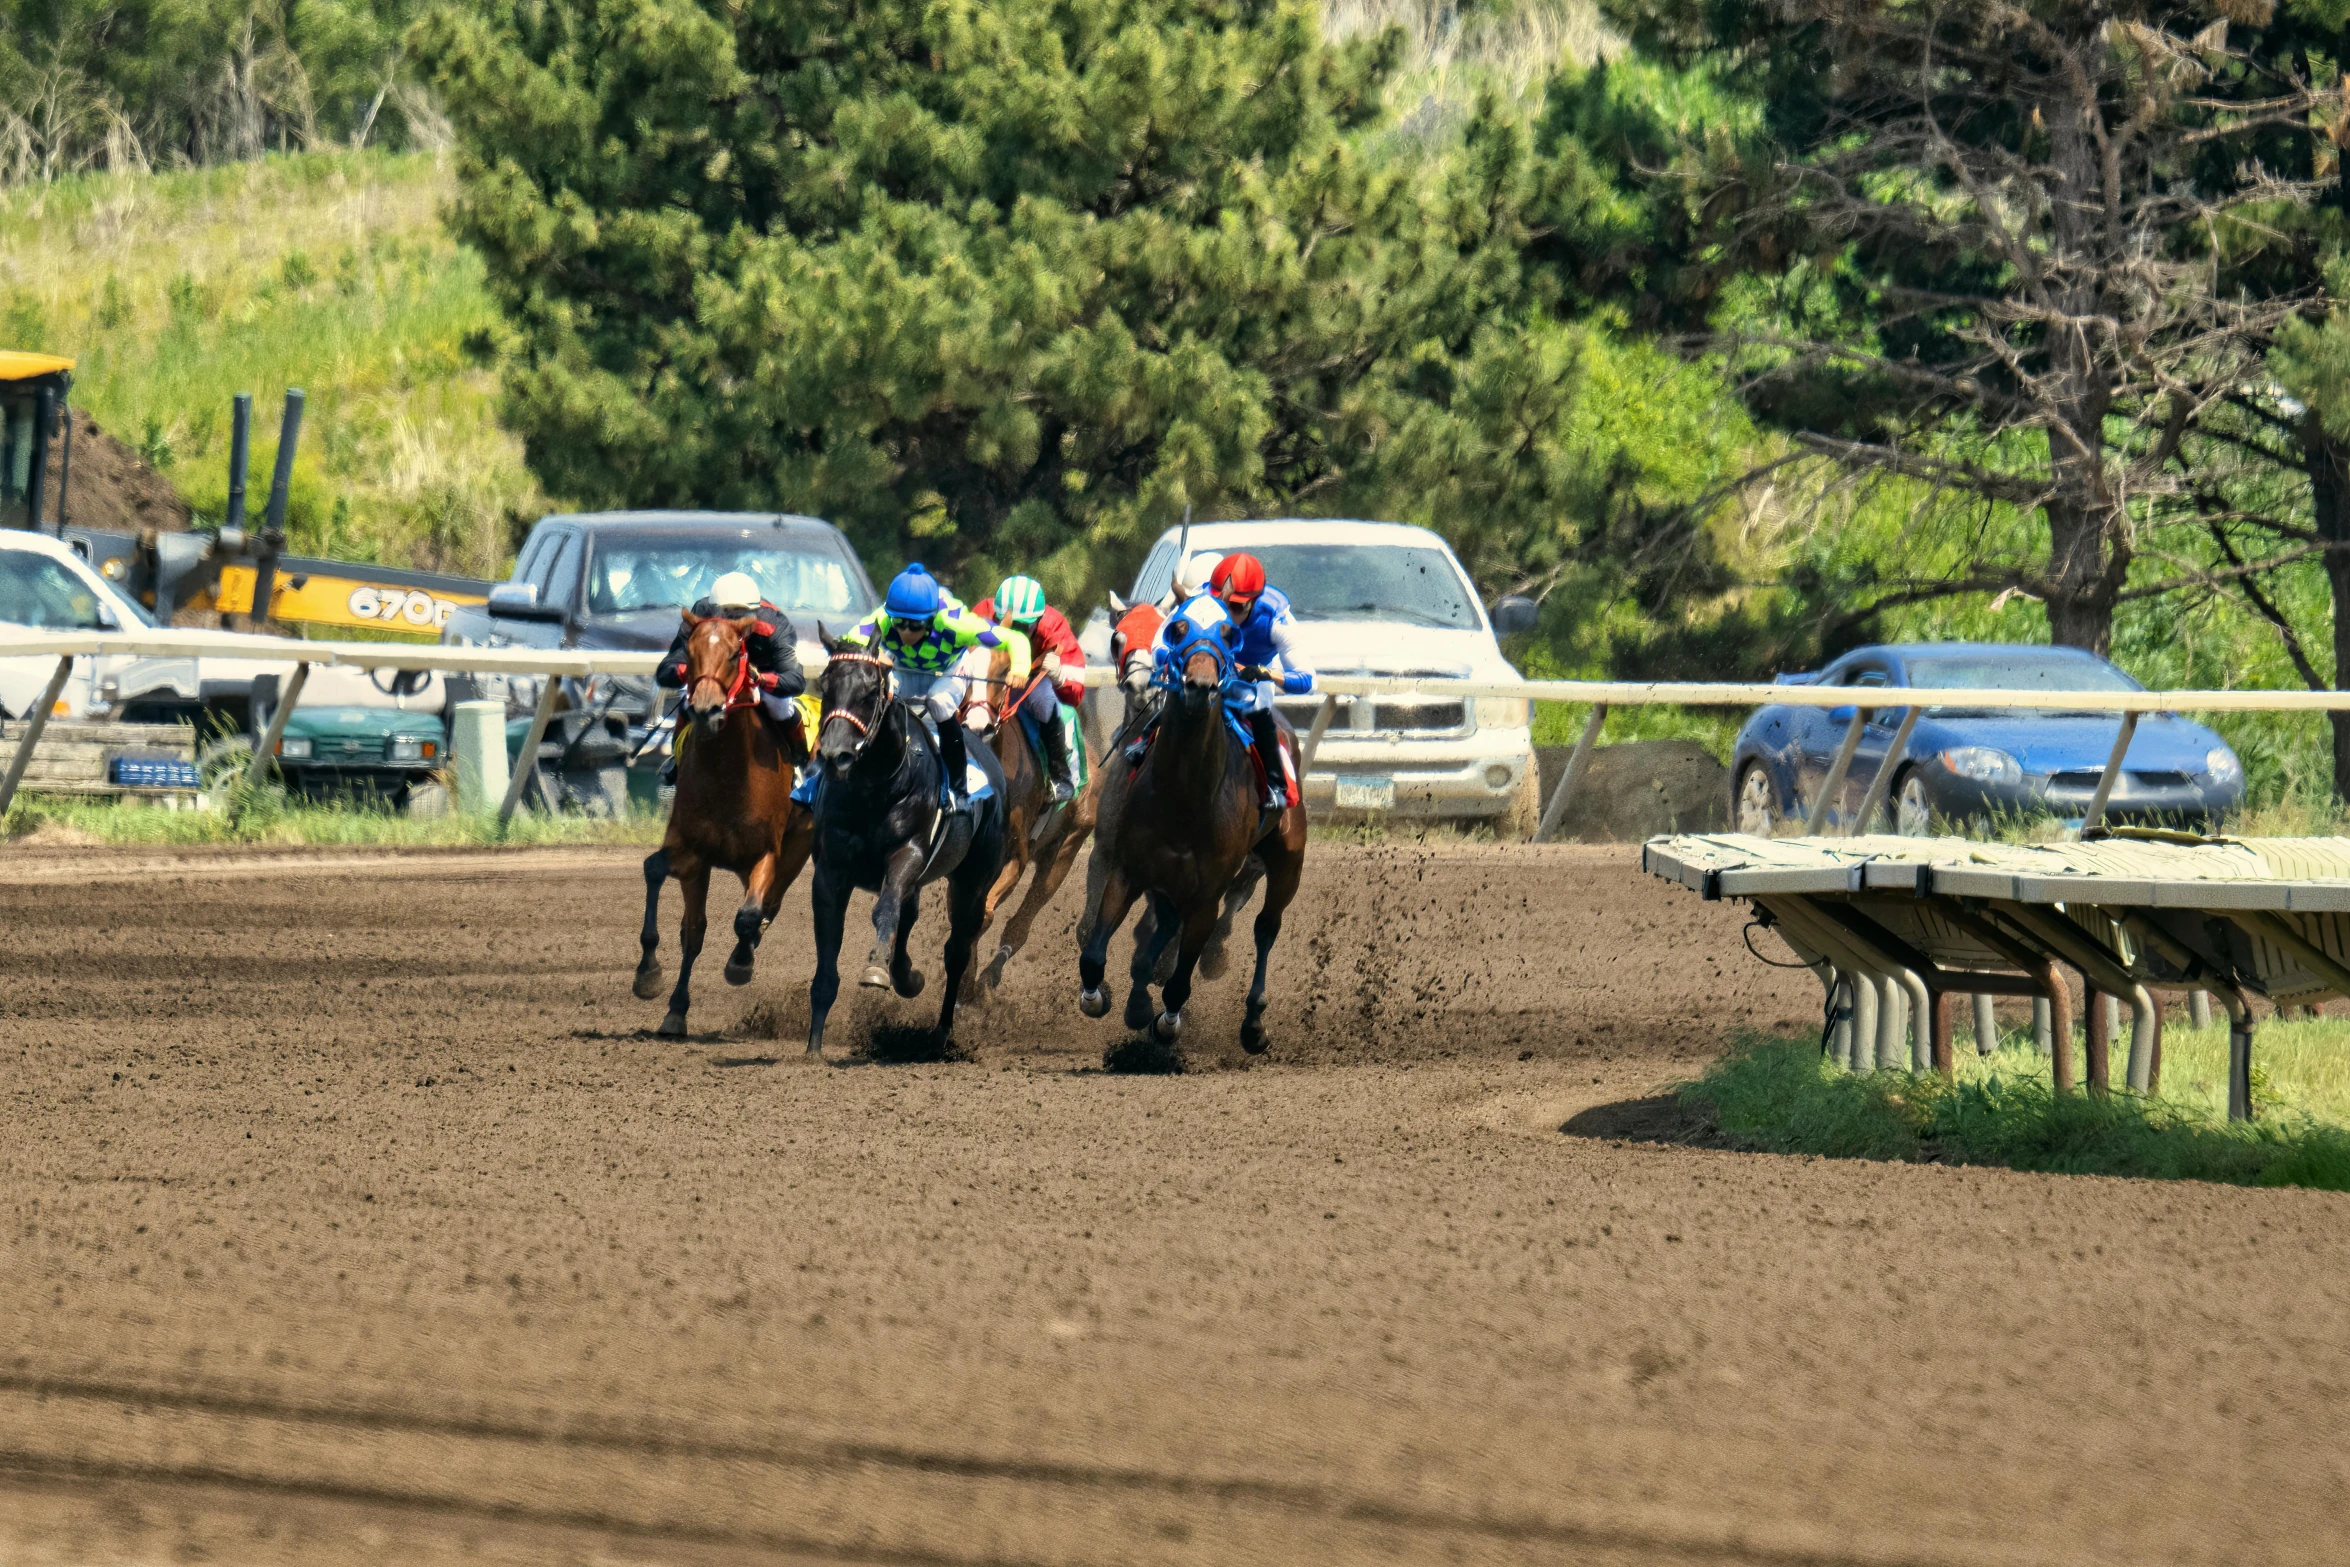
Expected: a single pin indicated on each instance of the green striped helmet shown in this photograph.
(1019, 601)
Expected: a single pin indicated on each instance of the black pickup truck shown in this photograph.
(619, 580)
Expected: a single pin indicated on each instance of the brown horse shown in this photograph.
(733, 811)
(1035, 832)
(1185, 822)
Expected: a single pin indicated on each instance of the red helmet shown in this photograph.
(1237, 577)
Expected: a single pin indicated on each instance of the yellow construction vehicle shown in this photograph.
(237, 569)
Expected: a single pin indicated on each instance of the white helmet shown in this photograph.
(736, 590)
(1192, 576)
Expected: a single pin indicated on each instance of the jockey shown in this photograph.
(924, 630)
(775, 660)
(1019, 605)
(1260, 615)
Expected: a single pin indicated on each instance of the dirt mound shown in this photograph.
(112, 486)
(1635, 791)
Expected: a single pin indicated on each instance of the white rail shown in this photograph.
(1597, 694)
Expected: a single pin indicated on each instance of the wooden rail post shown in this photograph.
(1322, 717)
(2113, 769)
(1833, 784)
(1884, 779)
(2060, 1026)
(265, 752)
(34, 722)
(1556, 810)
(526, 765)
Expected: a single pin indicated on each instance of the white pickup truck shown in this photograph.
(1383, 598)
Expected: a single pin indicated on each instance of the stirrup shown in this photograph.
(1063, 790)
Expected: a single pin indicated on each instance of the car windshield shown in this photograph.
(2018, 672)
(638, 574)
(1414, 583)
(38, 591)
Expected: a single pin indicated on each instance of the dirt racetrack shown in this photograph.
(351, 1217)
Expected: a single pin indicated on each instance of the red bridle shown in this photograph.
(739, 692)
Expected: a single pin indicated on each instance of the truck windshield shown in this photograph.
(37, 591)
(1413, 583)
(632, 574)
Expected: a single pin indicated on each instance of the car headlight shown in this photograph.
(409, 748)
(1984, 764)
(2220, 765)
(294, 748)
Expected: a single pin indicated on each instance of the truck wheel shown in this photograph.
(428, 800)
(1525, 813)
(1755, 807)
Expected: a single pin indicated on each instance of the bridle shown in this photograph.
(842, 714)
(1190, 637)
(740, 691)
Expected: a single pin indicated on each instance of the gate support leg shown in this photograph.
(35, 721)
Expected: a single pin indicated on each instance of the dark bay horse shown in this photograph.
(733, 811)
(1186, 821)
(878, 829)
(1035, 832)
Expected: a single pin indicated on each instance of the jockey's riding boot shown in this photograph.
(1268, 738)
(950, 757)
(1055, 740)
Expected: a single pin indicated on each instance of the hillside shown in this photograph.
(327, 271)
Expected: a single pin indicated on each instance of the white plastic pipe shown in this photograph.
(1986, 1025)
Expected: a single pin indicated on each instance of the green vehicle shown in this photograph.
(370, 751)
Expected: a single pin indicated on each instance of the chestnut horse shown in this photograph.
(1035, 831)
(733, 811)
(1186, 821)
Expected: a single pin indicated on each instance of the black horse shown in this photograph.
(878, 829)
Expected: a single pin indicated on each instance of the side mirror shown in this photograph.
(1515, 614)
(108, 620)
(519, 601)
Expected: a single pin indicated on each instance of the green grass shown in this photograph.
(1781, 1096)
(327, 271)
(271, 823)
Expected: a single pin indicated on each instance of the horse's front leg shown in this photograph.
(831, 904)
(750, 921)
(648, 968)
(966, 917)
(693, 885)
(894, 913)
(1153, 933)
(1244, 887)
(1093, 954)
(1199, 922)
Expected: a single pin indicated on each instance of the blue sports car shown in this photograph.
(1965, 764)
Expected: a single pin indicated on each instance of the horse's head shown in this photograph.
(718, 671)
(855, 691)
(987, 684)
(1130, 646)
(1204, 659)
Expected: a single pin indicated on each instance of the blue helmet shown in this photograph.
(913, 594)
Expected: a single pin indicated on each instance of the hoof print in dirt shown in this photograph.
(895, 1044)
(1142, 1054)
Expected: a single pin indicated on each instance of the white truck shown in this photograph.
(1385, 599)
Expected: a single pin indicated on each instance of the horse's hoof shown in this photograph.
(1094, 1003)
(738, 970)
(875, 978)
(1214, 961)
(648, 983)
(911, 985)
(672, 1026)
(1167, 1027)
(815, 1052)
(1139, 1010)
(1253, 1038)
